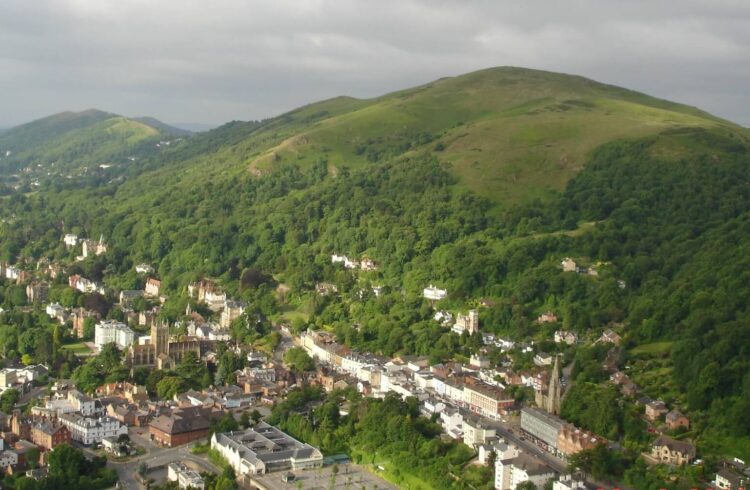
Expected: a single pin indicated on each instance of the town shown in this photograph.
(206, 420)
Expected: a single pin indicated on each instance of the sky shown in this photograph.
(209, 62)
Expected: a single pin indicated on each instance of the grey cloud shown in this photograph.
(231, 59)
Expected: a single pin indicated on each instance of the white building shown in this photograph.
(70, 240)
(185, 477)
(565, 336)
(466, 323)
(8, 458)
(88, 430)
(434, 294)
(264, 449)
(143, 269)
(511, 472)
(567, 482)
(112, 331)
(55, 311)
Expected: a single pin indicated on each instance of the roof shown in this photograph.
(675, 445)
(531, 465)
(267, 444)
(184, 420)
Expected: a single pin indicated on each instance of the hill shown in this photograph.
(507, 134)
(74, 143)
(438, 184)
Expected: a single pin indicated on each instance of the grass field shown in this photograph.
(655, 349)
(77, 348)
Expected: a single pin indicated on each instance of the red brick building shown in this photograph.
(182, 425)
(49, 435)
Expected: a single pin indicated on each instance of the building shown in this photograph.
(264, 449)
(511, 472)
(610, 337)
(162, 352)
(571, 440)
(36, 292)
(232, 310)
(566, 336)
(112, 331)
(185, 477)
(144, 269)
(568, 482)
(541, 427)
(48, 434)
(182, 425)
(569, 265)
(89, 430)
(476, 432)
(434, 294)
(655, 410)
(467, 323)
(670, 451)
(79, 317)
(727, 479)
(676, 419)
(551, 401)
(547, 317)
(70, 240)
(482, 398)
(153, 286)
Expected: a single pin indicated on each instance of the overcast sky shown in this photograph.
(212, 61)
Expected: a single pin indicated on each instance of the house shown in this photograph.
(182, 425)
(566, 336)
(232, 310)
(466, 323)
(263, 449)
(89, 430)
(510, 473)
(671, 451)
(547, 317)
(676, 419)
(569, 265)
(127, 296)
(572, 440)
(476, 431)
(152, 287)
(568, 482)
(70, 240)
(36, 292)
(434, 294)
(543, 359)
(143, 269)
(609, 337)
(655, 410)
(112, 331)
(729, 480)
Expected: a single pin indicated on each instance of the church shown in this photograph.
(161, 351)
(551, 400)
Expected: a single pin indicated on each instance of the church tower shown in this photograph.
(554, 393)
(160, 337)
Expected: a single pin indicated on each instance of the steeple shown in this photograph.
(552, 401)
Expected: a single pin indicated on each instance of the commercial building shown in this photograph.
(264, 449)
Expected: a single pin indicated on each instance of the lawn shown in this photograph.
(655, 349)
(77, 348)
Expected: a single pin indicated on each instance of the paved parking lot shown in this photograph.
(349, 477)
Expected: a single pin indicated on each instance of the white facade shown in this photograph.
(70, 240)
(567, 482)
(92, 430)
(434, 294)
(143, 269)
(504, 453)
(185, 477)
(8, 458)
(109, 331)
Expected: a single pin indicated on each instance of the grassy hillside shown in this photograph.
(68, 143)
(506, 133)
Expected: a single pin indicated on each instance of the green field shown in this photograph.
(77, 348)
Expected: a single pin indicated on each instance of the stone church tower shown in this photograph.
(551, 401)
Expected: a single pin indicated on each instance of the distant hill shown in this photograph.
(155, 123)
(77, 140)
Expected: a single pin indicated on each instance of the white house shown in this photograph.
(509, 473)
(108, 331)
(185, 477)
(88, 430)
(433, 293)
(70, 240)
(143, 269)
(567, 482)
